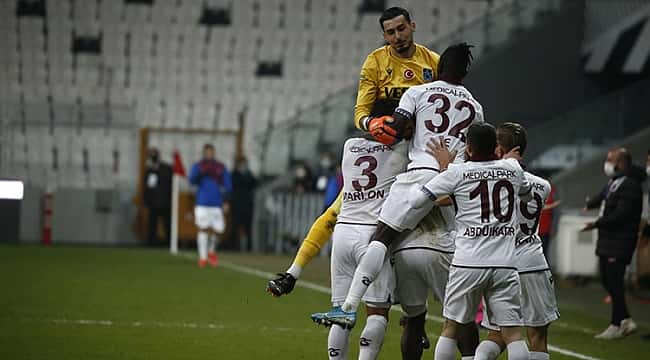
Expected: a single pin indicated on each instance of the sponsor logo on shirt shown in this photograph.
(409, 74)
(427, 75)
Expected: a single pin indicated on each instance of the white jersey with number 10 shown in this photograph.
(439, 109)
(369, 169)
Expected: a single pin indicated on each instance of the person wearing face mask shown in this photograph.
(157, 196)
(243, 194)
(620, 203)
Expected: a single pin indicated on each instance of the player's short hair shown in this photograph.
(482, 137)
(208, 147)
(510, 135)
(455, 60)
(393, 12)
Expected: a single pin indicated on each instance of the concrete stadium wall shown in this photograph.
(97, 217)
(536, 76)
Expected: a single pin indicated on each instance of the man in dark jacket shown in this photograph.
(243, 194)
(157, 196)
(621, 203)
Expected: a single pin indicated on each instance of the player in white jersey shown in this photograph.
(485, 192)
(369, 169)
(538, 304)
(441, 109)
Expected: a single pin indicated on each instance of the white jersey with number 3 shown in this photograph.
(485, 194)
(440, 109)
(529, 253)
(369, 169)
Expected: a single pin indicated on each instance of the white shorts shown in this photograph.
(406, 203)
(538, 304)
(209, 217)
(498, 286)
(418, 271)
(349, 244)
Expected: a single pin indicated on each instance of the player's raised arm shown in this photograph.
(318, 235)
(366, 93)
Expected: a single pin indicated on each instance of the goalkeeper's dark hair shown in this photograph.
(511, 135)
(208, 146)
(482, 138)
(455, 62)
(393, 12)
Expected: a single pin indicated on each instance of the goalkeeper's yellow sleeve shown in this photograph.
(367, 92)
(320, 232)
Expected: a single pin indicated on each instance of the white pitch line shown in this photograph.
(161, 324)
(326, 290)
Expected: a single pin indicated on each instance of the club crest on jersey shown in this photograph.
(409, 74)
(389, 71)
(427, 75)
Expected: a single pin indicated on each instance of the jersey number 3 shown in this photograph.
(367, 172)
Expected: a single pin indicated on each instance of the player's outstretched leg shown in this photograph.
(337, 343)
(412, 344)
(202, 247)
(336, 316)
(369, 266)
(372, 336)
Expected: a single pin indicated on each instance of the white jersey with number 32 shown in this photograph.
(439, 109)
(369, 169)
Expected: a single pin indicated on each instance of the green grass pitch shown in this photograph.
(114, 303)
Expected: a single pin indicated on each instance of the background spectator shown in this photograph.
(325, 172)
(621, 203)
(243, 202)
(157, 196)
(302, 178)
(334, 186)
(213, 189)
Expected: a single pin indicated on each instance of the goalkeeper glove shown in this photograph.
(381, 130)
(281, 285)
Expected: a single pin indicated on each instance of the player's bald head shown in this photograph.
(481, 140)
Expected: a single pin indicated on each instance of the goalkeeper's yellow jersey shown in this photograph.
(386, 76)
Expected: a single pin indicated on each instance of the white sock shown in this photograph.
(372, 337)
(536, 355)
(295, 270)
(337, 343)
(487, 350)
(518, 350)
(468, 357)
(366, 272)
(212, 243)
(202, 244)
(445, 349)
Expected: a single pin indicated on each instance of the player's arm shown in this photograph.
(366, 93)
(318, 235)
(441, 186)
(195, 174)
